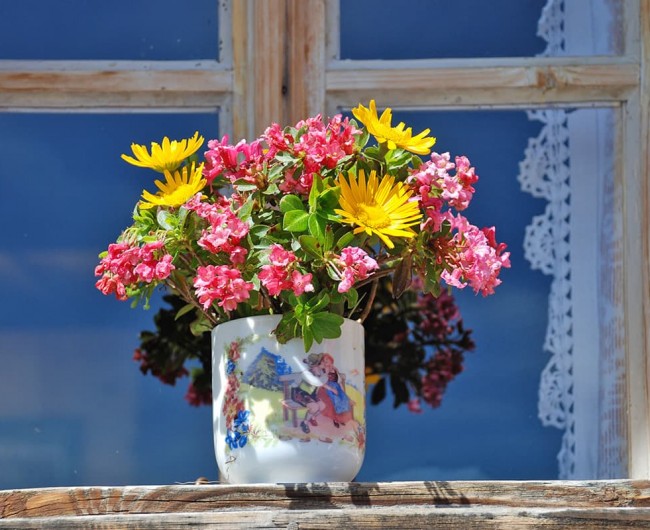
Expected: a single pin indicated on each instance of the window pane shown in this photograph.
(75, 410)
(74, 407)
(427, 29)
(488, 426)
(121, 30)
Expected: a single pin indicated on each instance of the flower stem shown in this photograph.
(371, 299)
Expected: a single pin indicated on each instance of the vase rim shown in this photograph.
(276, 318)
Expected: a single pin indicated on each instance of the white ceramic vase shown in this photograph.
(281, 414)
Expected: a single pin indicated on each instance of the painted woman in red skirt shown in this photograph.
(338, 406)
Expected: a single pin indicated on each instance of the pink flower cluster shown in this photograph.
(167, 373)
(196, 397)
(226, 230)
(435, 185)
(477, 258)
(320, 146)
(440, 370)
(127, 264)
(236, 162)
(281, 274)
(223, 284)
(355, 265)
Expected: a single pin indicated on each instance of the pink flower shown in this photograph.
(435, 185)
(355, 265)
(477, 258)
(222, 284)
(126, 265)
(282, 273)
(319, 146)
(301, 283)
(225, 230)
(274, 279)
(279, 257)
(234, 162)
(415, 405)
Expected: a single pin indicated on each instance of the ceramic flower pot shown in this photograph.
(281, 414)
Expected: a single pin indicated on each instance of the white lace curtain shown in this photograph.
(571, 165)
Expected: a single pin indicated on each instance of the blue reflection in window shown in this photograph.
(434, 29)
(118, 30)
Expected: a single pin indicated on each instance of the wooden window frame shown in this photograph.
(279, 62)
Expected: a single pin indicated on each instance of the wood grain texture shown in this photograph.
(637, 209)
(435, 504)
(507, 83)
(305, 59)
(66, 85)
(259, 63)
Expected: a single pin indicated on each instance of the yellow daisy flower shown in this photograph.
(177, 189)
(165, 156)
(378, 207)
(383, 131)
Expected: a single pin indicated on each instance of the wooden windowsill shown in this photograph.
(435, 504)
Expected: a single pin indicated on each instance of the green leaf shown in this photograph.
(244, 185)
(400, 390)
(321, 303)
(272, 189)
(200, 326)
(326, 325)
(295, 221)
(287, 328)
(316, 226)
(246, 209)
(307, 338)
(378, 392)
(184, 310)
(344, 240)
(285, 158)
(291, 202)
(329, 199)
(328, 241)
(352, 298)
(314, 192)
(166, 220)
(311, 246)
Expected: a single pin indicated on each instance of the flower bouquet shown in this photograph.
(291, 241)
(305, 222)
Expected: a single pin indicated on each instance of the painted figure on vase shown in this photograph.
(338, 406)
(306, 394)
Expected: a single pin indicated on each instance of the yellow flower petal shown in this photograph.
(398, 136)
(177, 189)
(377, 207)
(165, 157)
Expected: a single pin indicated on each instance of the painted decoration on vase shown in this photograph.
(266, 400)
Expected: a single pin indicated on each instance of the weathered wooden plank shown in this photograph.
(258, 44)
(377, 518)
(636, 197)
(526, 82)
(50, 502)
(306, 59)
(146, 85)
